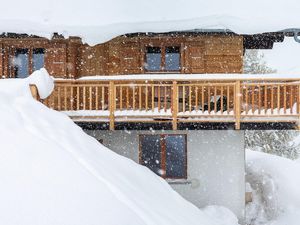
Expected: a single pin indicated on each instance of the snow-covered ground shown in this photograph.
(276, 184)
(51, 172)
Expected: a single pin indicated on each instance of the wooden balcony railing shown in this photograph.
(178, 101)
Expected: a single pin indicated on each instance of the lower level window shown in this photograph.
(164, 154)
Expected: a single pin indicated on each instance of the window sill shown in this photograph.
(178, 181)
(163, 72)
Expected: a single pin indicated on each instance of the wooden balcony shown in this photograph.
(203, 100)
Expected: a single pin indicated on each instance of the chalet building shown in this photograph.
(171, 79)
(166, 78)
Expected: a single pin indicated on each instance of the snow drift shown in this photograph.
(98, 21)
(51, 172)
(276, 182)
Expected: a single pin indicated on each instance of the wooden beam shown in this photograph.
(34, 91)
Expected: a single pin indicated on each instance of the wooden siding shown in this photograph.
(93, 60)
(61, 55)
(126, 55)
(69, 58)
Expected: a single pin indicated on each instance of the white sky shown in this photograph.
(284, 57)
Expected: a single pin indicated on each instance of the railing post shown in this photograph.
(34, 91)
(111, 105)
(174, 105)
(237, 104)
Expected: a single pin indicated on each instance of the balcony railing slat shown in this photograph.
(284, 100)
(259, 99)
(222, 103)
(152, 97)
(278, 97)
(228, 99)
(183, 98)
(140, 98)
(252, 99)
(265, 98)
(202, 98)
(146, 97)
(291, 96)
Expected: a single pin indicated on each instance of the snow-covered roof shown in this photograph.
(97, 21)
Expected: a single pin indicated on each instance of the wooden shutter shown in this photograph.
(55, 61)
(195, 58)
(130, 59)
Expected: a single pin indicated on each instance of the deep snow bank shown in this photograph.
(51, 172)
(276, 184)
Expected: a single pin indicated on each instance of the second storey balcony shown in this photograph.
(237, 98)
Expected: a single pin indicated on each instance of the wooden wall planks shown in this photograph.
(70, 58)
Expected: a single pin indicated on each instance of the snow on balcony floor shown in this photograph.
(205, 113)
(162, 112)
(104, 113)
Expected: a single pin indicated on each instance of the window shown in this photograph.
(165, 155)
(162, 59)
(26, 61)
(172, 59)
(38, 58)
(153, 59)
(21, 62)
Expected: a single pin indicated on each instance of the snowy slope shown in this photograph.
(276, 182)
(100, 20)
(51, 172)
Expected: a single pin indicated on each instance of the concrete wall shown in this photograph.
(215, 163)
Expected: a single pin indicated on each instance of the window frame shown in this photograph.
(163, 58)
(164, 154)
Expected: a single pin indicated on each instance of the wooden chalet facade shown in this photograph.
(70, 58)
(163, 88)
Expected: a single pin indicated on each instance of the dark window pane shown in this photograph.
(172, 59)
(151, 152)
(38, 58)
(175, 156)
(153, 59)
(21, 63)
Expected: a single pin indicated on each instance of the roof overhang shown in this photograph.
(251, 41)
